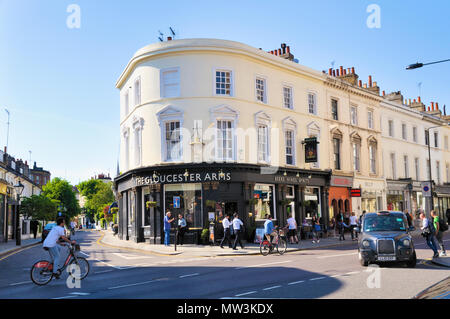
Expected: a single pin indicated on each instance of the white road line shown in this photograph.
(334, 276)
(65, 297)
(296, 282)
(270, 288)
(318, 278)
(80, 293)
(245, 293)
(130, 257)
(21, 283)
(84, 253)
(352, 273)
(331, 256)
(275, 263)
(131, 285)
(102, 272)
(190, 275)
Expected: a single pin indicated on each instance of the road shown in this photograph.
(321, 273)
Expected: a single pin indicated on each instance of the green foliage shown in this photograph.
(89, 188)
(103, 222)
(103, 196)
(39, 207)
(114, 218)
(205, 235)
(60, 190)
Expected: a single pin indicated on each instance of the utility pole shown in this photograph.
(7, 131)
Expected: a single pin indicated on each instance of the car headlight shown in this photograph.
(366, 243)
(406, 242)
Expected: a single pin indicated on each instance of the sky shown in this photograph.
(58, 83)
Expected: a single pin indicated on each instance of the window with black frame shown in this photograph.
(185, 199)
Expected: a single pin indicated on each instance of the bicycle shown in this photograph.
(280, 243)
(42, 271)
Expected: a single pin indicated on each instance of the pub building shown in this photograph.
(205, 192)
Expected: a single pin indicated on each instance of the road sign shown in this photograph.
(355, 192)
(426, 189)
(176, 202)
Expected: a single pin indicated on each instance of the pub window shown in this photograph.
(185, 199)
(224, 140)
(173, 141)
(264, 194)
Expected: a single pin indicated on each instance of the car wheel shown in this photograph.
(412, 262)
(362, 261)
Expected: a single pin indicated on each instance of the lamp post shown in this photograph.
(419, 65)
(19, 189)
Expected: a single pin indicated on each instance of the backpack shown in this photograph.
(431, 227)
(443, 226)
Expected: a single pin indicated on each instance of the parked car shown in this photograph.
(385, 238)
(46, 230)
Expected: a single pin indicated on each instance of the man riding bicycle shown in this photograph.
(56, 235)
(269, 229)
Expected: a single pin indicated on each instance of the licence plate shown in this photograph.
(386, 258)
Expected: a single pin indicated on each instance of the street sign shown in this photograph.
(426, 189)
(176, 202)
(310, 150)
(355, 192)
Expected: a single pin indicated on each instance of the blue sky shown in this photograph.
(59, 83)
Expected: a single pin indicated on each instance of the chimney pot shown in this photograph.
(330, 71)
(360, 83)
(370, 81)
(365, 85)
(341, 68)
(419, 100)
(428, 109)
(288, 50)
(437, 106)
(414, 101)
(334, 72)
(345, 72)
(384, 93)
(337, 72)
(353, 70)
(432, 106)
(169, 38)
(276, 52)
(279, 51)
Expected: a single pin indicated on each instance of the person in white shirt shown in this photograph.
(353, 225)
(51, 242)
(292, 229)
(237, 223)
(226, 231)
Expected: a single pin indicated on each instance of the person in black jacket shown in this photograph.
(447, 214)
(34, 227)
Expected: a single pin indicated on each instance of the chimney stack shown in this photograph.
(370, 81)
(169, 38)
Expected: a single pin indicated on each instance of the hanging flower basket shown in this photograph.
(150, 204)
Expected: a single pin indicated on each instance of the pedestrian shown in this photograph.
(408, 217)
(361, 218)
(226, 231)
(447, 214)
(353, 225)
(341, 226)
(182, 227)
(316, 228)
(439, 232)
(269, 232)
(167, 221)
(237, 227)
(428, 231)
(34, 227)
(292, 233)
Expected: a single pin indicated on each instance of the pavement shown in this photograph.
(215, 251)
(11, 247)
(441, 261)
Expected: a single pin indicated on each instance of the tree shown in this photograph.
(89, 188)
(104, 196)
(39, 207)
(60, 189)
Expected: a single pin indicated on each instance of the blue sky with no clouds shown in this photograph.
(59, 83)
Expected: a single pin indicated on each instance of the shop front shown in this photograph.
(442, 200)
(204, 194)
(373, 195)
(339, 198)
(398, 195)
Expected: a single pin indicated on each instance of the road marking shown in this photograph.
(296, 282)
(130, 257)
(190, 275)
(136, 284)
(279, 262)
(442, 296)
(102, 272)
(245, 293)
(84, 254)
(352, 273)
(65, 297)
(318, 278)
(21, 283)
(270, 288)
(80, 293)
(331, 256)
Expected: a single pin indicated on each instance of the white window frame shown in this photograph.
(356, 151)
(162, 84)
(404, 132)
(406, 165)
(417, 168)
(224, 69)
(446, 142)
(264, 79)
(393, 166)
(126, 154)
(291, 96)
(373, 158)
(289, 124)
(354, 115)
(126, 106)
(415, 134)
(138, 125)
(337, 108)
(169, 122)
(170, 114)
(219, 147)
(447, 172)
(225, 113)
(263, 119)
(292, 146)
(370, 119)
(391, 130)
(314, 105)
(438, 172)
(137, 92)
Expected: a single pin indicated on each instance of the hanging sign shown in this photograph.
(310, 149)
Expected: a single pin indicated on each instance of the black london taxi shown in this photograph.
(384, 237)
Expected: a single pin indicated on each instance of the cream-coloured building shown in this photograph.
(221, 126)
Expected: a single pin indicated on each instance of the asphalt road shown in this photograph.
(321, 273)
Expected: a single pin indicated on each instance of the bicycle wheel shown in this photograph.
(282, 246)
(264, 248)
(83, 265)
(42, 272)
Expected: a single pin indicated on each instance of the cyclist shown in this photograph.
(53, 238)
(269, 230)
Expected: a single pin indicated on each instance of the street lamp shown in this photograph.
(419, 65)
(19, 189)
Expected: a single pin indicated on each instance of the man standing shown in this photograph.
(51, 242)
(167, 221)
(292, 229)
(428, 232)
(408, 217)
(237, 224)
(34, 227)
(226, 231)
(439, 232)
(182, 225)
